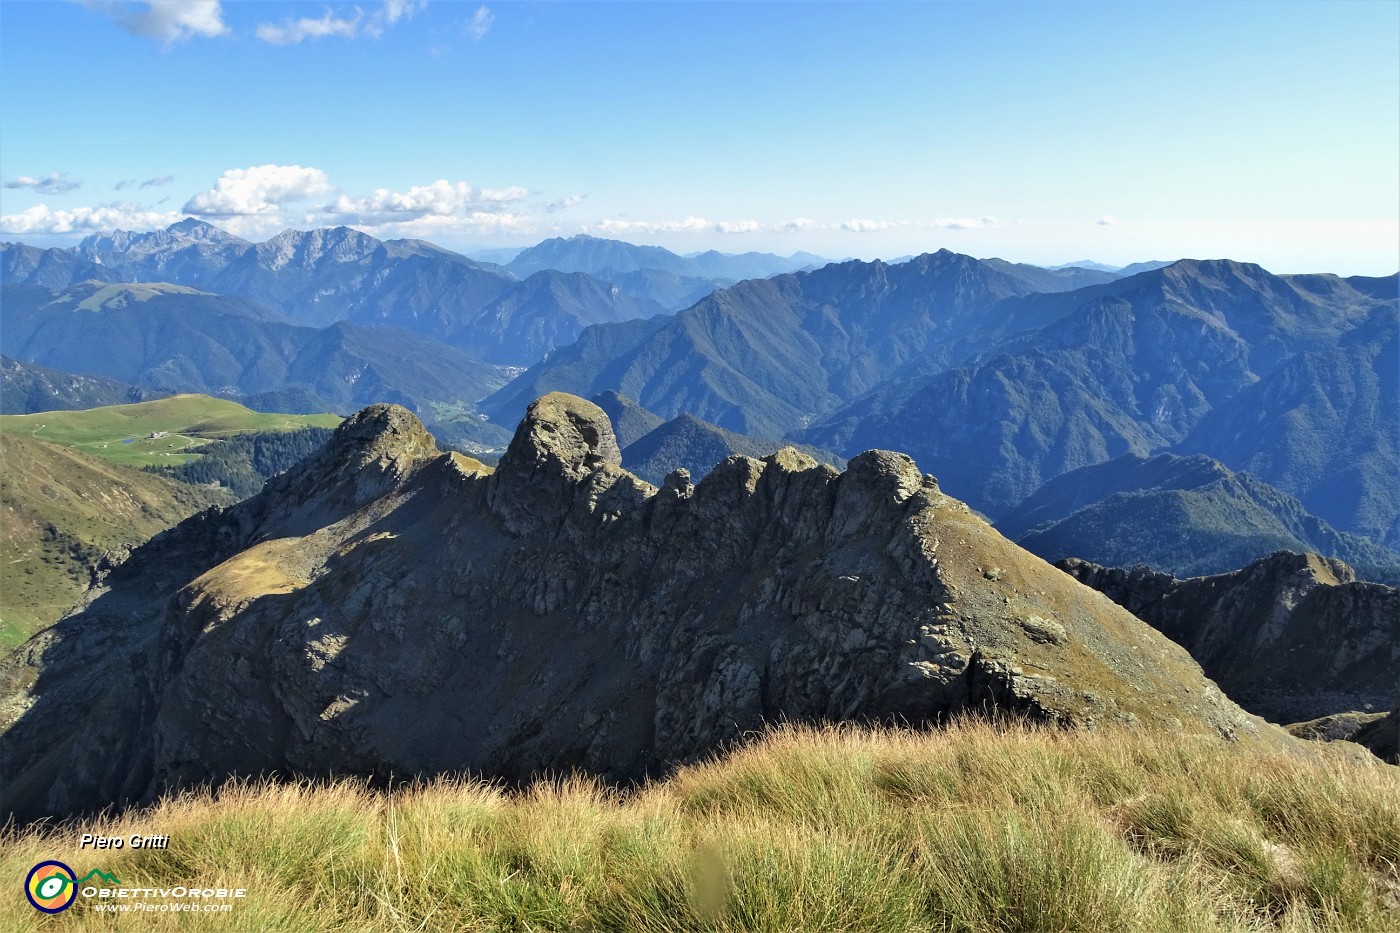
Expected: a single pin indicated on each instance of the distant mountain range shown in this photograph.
(1129, 367)
(178, 340)
(997, 377)
(762, 357)
(605, 258)
(504, 314)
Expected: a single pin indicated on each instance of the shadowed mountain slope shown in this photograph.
(26, 388)
(387, 610)
(1292, 637)
(178, 341)
(685, 442)
(1187, 516)
(1131, 367)
(630, 421)
(764, 356)
(1325, 427)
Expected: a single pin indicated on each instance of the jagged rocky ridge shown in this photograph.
(384, 609)
(1291, 637)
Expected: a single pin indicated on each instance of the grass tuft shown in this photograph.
(975, 828)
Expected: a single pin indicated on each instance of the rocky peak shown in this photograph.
(562, 440)
(306, 249)
(381, 610)
(387, 433)
(371, 453)
(128, 244)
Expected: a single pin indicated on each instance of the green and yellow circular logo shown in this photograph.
(51, 887)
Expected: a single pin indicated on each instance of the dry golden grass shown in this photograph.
(974, 828)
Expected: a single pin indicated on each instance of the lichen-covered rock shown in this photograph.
(385, 610)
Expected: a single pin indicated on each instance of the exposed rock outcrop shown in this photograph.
(1334, 728)
(386, 610)
(1382, 736)
(1290, 637)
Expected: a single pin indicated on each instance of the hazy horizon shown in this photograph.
(1044, 133)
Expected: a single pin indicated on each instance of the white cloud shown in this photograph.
(57, 183)
(441, 199)
(294, 31)
(1107, 220)
(433, 226)
(738, 226)
(688, 225)
(148, 183)
(965, 223)
(858, 225)
(259, 189)
(41, 219)
(390, 13)
(559, 205)
(801, 223)
(480, 23)
(166, 21)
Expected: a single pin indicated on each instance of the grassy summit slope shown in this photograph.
(973, 828)
(119, 433)
(62, 511)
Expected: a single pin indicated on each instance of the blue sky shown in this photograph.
(1040, 132)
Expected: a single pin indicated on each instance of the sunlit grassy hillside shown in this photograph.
(119, 433)
(60, 512)
(976, 828)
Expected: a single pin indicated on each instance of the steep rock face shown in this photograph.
(386, 610)
(1291, 637)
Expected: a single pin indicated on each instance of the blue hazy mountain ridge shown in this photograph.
(1085, 264)
(1133, 369)
(763, 356)
(321, 276)
(604, 258)
(1324, 427)
(993, 387)
(1377, 286)
(1114, 514)
(698, 447)
(26, 388)
(671, 291)
(546, 310)
(630, 421)
(1052, 280)
(176, 340)
(1148, 266)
